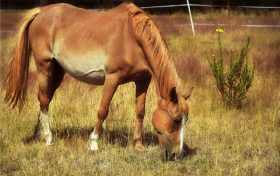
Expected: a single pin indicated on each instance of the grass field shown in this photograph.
(220, 141)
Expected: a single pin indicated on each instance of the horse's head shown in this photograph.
(169, 121)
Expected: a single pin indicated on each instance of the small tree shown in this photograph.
(235, 83)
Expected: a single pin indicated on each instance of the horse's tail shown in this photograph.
(16, 84)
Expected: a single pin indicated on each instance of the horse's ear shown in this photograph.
(173, 95)
(187, 95)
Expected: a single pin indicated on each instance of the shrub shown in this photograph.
(234, 83)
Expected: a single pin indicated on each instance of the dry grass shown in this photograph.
(220, 141)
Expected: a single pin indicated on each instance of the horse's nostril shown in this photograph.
(170, 156)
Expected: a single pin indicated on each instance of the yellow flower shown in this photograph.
(219, 30)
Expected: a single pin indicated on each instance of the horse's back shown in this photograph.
(87, 44)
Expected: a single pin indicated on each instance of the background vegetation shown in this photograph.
(220, 141)
(235, 81)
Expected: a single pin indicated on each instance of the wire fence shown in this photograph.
(207, 5)
(233, 25)
(187, 5)
(205, 24)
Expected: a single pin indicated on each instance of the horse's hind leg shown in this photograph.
(109, 88)
(141, 92)
(50, 76)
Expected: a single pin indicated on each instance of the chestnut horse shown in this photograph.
(101, 48)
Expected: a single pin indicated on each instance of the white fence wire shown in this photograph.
(207, 5)
(188, 5)
(233, 25)
(205, 24)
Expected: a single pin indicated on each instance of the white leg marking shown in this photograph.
(182, 132)
(47, 134)
(93, 139)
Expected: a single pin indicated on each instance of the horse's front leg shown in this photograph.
(141, 92)
(109, 88)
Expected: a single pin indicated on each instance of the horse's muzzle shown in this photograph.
(169, 156)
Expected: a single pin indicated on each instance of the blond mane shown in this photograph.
(154, 44)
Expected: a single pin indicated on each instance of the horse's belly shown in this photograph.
(87, 69)
(96, 77)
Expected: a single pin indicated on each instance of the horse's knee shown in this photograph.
(140, 111)
(140, 116)
(102, 113)
(44, 101)
(140, 107)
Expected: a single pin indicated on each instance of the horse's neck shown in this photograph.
(155, 48)
(162, 67)
(165, 74)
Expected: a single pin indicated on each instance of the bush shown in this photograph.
(235, 83)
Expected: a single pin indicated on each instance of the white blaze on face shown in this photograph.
(182, 132)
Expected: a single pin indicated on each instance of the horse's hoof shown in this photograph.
(93, 146)
(48, 139)
(48, 143)
(139, 147)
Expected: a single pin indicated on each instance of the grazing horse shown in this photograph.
(101, 48)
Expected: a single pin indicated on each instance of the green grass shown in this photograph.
(221, 141)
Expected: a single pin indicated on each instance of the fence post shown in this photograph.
(189, 8)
